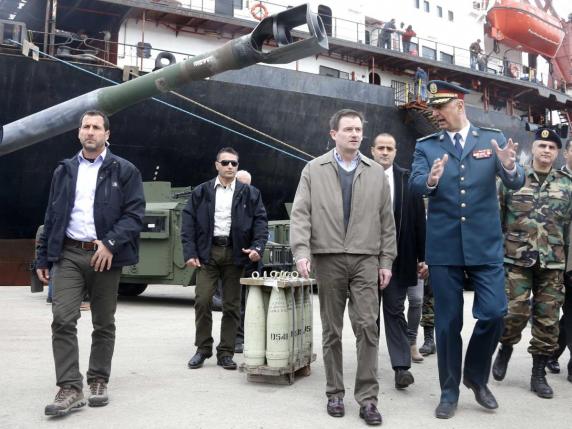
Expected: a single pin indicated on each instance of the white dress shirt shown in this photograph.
(82, 226)
(464, 132)
(223, 208)
(389, 175)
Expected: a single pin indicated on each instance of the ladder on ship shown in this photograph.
(564, 116)
(417, 111)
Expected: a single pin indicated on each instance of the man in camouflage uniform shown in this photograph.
(428, 312)
(565, 336)
(535, 223)
(428, 320)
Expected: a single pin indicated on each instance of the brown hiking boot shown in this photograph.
(98, 393)
(66, 400)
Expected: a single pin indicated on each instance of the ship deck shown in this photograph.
(521, 92)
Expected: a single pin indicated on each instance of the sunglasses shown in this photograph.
(225, 162)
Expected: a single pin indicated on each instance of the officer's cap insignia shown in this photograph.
(545, 134)
(433, 88)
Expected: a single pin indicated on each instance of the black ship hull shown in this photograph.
(169, 145)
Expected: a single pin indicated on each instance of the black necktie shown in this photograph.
(458, 146)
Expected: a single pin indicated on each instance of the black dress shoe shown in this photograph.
(226, 362)
(482, 393)
(239, 348)
(370, 414)
(553, 366)
(445, 410)
(197, 360)
(403, 378)
(336, 407)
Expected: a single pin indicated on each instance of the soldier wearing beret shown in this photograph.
(535, 222)
(565, 336)
(456, 168)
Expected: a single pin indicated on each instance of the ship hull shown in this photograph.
(168, 145)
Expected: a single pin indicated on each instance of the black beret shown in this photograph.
(548, 134)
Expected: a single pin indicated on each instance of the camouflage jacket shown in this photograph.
(535, 220)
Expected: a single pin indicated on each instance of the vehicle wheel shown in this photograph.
(131, 289)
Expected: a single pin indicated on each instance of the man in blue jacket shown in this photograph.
(457, 168)
(91, 229)
(224, 228)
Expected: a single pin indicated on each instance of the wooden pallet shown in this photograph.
(281, 376)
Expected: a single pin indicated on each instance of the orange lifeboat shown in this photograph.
(523, 26)
(564, 55)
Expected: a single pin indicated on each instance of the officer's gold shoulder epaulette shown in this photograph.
(427, 137)
(491, 129)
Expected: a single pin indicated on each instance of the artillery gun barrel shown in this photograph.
(235, 54)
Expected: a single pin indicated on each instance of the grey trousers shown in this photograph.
(72, 276)
(415, 298)
(338, 276)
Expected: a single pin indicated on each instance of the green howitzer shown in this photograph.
(235, 54)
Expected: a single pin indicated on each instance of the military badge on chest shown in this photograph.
(483, 153)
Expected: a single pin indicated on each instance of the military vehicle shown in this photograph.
(160, 250)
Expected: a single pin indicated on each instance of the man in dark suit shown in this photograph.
(224, 228)
(409, 214)
(457, 169)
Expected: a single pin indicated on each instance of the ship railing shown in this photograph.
(140, 55)
(360, 32)
(73, 48)
(401, 95)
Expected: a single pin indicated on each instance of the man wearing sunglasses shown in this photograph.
(224, 228)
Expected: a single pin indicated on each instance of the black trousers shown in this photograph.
(395, 325)
(565, 336)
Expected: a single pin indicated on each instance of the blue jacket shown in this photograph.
(463, 220)
(118, 210)
(249, 225)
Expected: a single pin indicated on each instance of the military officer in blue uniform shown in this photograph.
(457, 168)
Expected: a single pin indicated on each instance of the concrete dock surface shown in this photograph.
(151, 386)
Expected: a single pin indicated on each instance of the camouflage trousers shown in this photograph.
(547, 290)
(428, 310)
